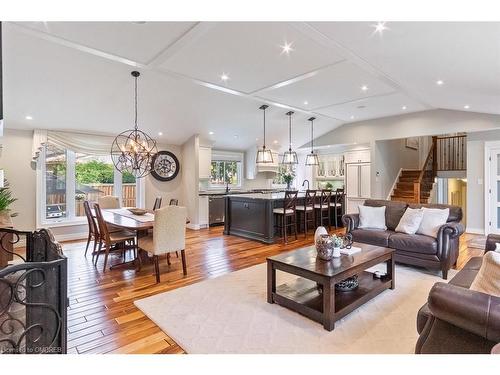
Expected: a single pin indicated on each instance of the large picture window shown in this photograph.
(224, 172)
(69, 178)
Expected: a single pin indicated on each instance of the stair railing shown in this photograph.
(428, 172)
(451, 153)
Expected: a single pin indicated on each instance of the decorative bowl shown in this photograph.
(137, 211)
(348, 284)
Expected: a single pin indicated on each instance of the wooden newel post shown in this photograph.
(434, 156)
(416, 191)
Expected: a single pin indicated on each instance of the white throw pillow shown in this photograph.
(372, 217)
(433, 219)
(410, 221)
(487, 279)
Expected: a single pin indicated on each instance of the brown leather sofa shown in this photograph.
(456, 320)
(413, 249)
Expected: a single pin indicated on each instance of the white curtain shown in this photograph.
(78, 142)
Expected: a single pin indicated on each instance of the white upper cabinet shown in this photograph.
(358, 156)
(205, 161)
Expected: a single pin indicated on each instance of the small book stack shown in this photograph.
(353, 250)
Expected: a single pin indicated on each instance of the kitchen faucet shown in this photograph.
(305, 183)
(227, 187)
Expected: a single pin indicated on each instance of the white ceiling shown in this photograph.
(76, 75)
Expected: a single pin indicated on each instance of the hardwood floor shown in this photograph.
(102, 317)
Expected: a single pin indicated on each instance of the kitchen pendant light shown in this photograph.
(133, 150)
(312, 158)
(264, 156)
(290, 157)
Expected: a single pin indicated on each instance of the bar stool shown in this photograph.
(323, 207)
(287, 211)
(307, 209)
(336, 204)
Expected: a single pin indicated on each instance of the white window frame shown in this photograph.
(71, 219)
(222, 155)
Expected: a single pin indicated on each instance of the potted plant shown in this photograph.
(6, 199)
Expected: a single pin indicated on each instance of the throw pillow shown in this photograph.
(411, 220)
(487, 279)
(433, 219)
(372, 217)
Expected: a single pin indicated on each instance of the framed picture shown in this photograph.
(412, 143)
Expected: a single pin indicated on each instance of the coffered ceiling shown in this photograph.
(211, 77)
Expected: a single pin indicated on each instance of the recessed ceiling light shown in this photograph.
(256, 139)
(306, 102)
(235, 136)
(352, 117)
(466, 106)
(29, 118)
(224, 77)
(380, 27)
(160, 134)
(211, 133)
(361, 106)
(403, 107)
(364, 88)
(439, 82)
(275, 142)
(286, 48)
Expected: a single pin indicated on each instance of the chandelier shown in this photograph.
(312, 158)
(290, 157)
(264, 156)
(133, 150)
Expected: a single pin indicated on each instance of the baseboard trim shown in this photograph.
(474, 230)
(193, 226)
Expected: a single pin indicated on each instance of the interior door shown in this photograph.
(494, 191)
(352, 180)
(364, 181)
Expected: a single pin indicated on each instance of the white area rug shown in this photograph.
(229, 314)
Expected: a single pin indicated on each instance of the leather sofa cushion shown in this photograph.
(372, 237)
(393, 213)
(417, 243)
(455, 211)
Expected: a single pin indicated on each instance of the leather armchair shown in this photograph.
(448, 245)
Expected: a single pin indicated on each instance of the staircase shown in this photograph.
(405, 187)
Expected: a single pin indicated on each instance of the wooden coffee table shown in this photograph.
(304, 296)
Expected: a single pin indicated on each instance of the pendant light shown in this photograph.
(290, 157)
(312, 158)
(264, 156)
(133, 150)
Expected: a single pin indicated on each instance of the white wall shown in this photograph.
(388, 157)
(190, 173)
(15, 159)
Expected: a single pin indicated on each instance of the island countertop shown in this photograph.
(265, 196)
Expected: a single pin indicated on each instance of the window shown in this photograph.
(225, 171)
(69, 178)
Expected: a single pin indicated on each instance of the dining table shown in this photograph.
(122, 218)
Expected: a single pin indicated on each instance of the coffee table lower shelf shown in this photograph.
(304, 297)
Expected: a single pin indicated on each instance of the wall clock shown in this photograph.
(164, 166)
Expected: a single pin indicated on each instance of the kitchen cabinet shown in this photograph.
(330, 166)
(357, 156)
(203, 211)
(205, 162)
(357, 185)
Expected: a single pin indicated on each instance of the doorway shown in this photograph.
(492, 188)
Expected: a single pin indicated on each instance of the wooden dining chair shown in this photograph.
(288, 211)
(108, 202)
(337, 204)
(169, 235)
(307, 209)
(157, 204)
(322, 207)
(111, 241)
(173, 202)
(93, 229)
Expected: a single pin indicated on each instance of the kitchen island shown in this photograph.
(251, 215)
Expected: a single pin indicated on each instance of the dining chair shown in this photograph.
(108, 201)
(112, 241)
(169, 235)
(173, 202)
(307, 209)
(157, 204)
(288, 211)
(323, 207)
(337, 203)
(93, 229)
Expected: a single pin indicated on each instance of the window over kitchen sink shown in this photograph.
(224, 171)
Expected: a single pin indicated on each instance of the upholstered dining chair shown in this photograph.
(157, 204)
(169, 235)
(108, 201)
(111, 241)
